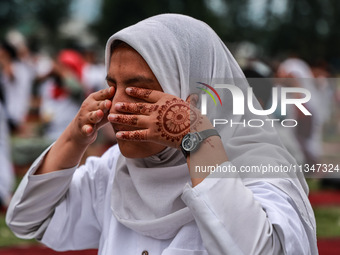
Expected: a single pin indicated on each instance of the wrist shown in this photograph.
(73, 136)
(201, 125)
(192, 141)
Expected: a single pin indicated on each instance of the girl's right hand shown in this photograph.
(91, 116)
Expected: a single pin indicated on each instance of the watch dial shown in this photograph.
(189, 142)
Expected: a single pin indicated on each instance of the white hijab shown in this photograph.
(182, 51)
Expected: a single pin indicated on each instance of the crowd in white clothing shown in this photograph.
(58, 85)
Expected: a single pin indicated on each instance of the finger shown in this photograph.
(93, 105)
(105, 105)
(129, 120)
(104, 94)
(192, 100)
(87, 130)
(148, 95)
(95, 116)
(136, 108)
(137, 135)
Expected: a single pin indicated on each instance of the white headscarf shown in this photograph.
(182, 51)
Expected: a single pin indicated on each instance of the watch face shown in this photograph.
(189, 142)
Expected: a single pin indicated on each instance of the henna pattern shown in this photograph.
(208, 141)
(149, 109)
(134, 135)
(140, 93)
(126, 119)
(175, 118)
(139, 108)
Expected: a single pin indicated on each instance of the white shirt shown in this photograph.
(6, 168)
(18, 92)
(229, 217)
(59, 112)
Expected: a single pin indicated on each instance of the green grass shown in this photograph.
(313, 184)
(331, 138)
(327, 217)
(7, 238)
(327, 221)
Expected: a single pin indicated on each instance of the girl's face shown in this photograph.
(129, 69)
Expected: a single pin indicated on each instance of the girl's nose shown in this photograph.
(120, 96)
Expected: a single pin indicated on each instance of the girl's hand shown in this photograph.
(164, 119)
(91, 116)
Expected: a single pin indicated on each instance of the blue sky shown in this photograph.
(85, 10)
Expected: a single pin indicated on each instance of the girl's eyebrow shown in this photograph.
(133, 80)
(138, 79)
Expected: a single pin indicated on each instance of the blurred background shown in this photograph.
(51, 58)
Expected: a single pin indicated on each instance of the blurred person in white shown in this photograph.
(139, 197)
(62, 92)
(94, 71)
(6, 169)
(24, 53)
(16, 80)
(259, 76)
(31, 53)
(325, 85)
(309, 130)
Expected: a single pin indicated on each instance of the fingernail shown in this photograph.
(119, 105)
(111, 117)
(99, 113)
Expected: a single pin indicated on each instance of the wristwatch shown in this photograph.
(191, 141)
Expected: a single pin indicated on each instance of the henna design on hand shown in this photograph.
(134, 135)
(175, 118)
(127, 120)
(139, 108)
(147, 109)
(140, 93)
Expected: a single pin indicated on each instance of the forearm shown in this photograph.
(64, 154)
(35, 200)
(80, 133)
(211, 152)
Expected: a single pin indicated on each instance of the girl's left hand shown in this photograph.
(163, 118)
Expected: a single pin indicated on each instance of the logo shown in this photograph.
(239, 99)
(208, 86)
(280, 100)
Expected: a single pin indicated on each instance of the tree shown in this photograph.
(119, 14)
(34, 18)
(308, 28)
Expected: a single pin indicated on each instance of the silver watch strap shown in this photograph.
(207, 133)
